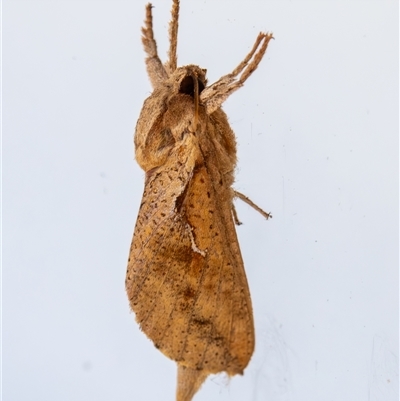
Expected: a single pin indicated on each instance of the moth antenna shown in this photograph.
(247, 200)
(172, 62)
(189, 381)
(155, 69)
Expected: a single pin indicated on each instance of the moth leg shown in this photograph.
(235, 216)
(245, 199)
(214, 95)
(172, 62)
(155, 69)
(243, 64)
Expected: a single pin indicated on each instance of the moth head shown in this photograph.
(189, 80)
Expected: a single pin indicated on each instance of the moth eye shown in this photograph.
(187, 86)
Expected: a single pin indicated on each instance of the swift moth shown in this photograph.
(185, 279)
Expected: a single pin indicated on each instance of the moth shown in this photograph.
(185, 279)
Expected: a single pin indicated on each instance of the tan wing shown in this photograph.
(185, 278)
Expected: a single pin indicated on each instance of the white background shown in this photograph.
(317, 128)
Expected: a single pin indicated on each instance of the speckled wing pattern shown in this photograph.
(185, 280)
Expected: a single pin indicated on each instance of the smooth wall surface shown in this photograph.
(317, 129)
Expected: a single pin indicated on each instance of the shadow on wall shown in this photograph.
(384, 371)
(270, 368)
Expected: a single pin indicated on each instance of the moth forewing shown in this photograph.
(185, 279)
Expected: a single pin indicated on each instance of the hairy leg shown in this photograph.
(155, 69)
(172, 62)
(245, 199)
(214, 95)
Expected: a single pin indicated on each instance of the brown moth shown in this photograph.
(185, 279)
